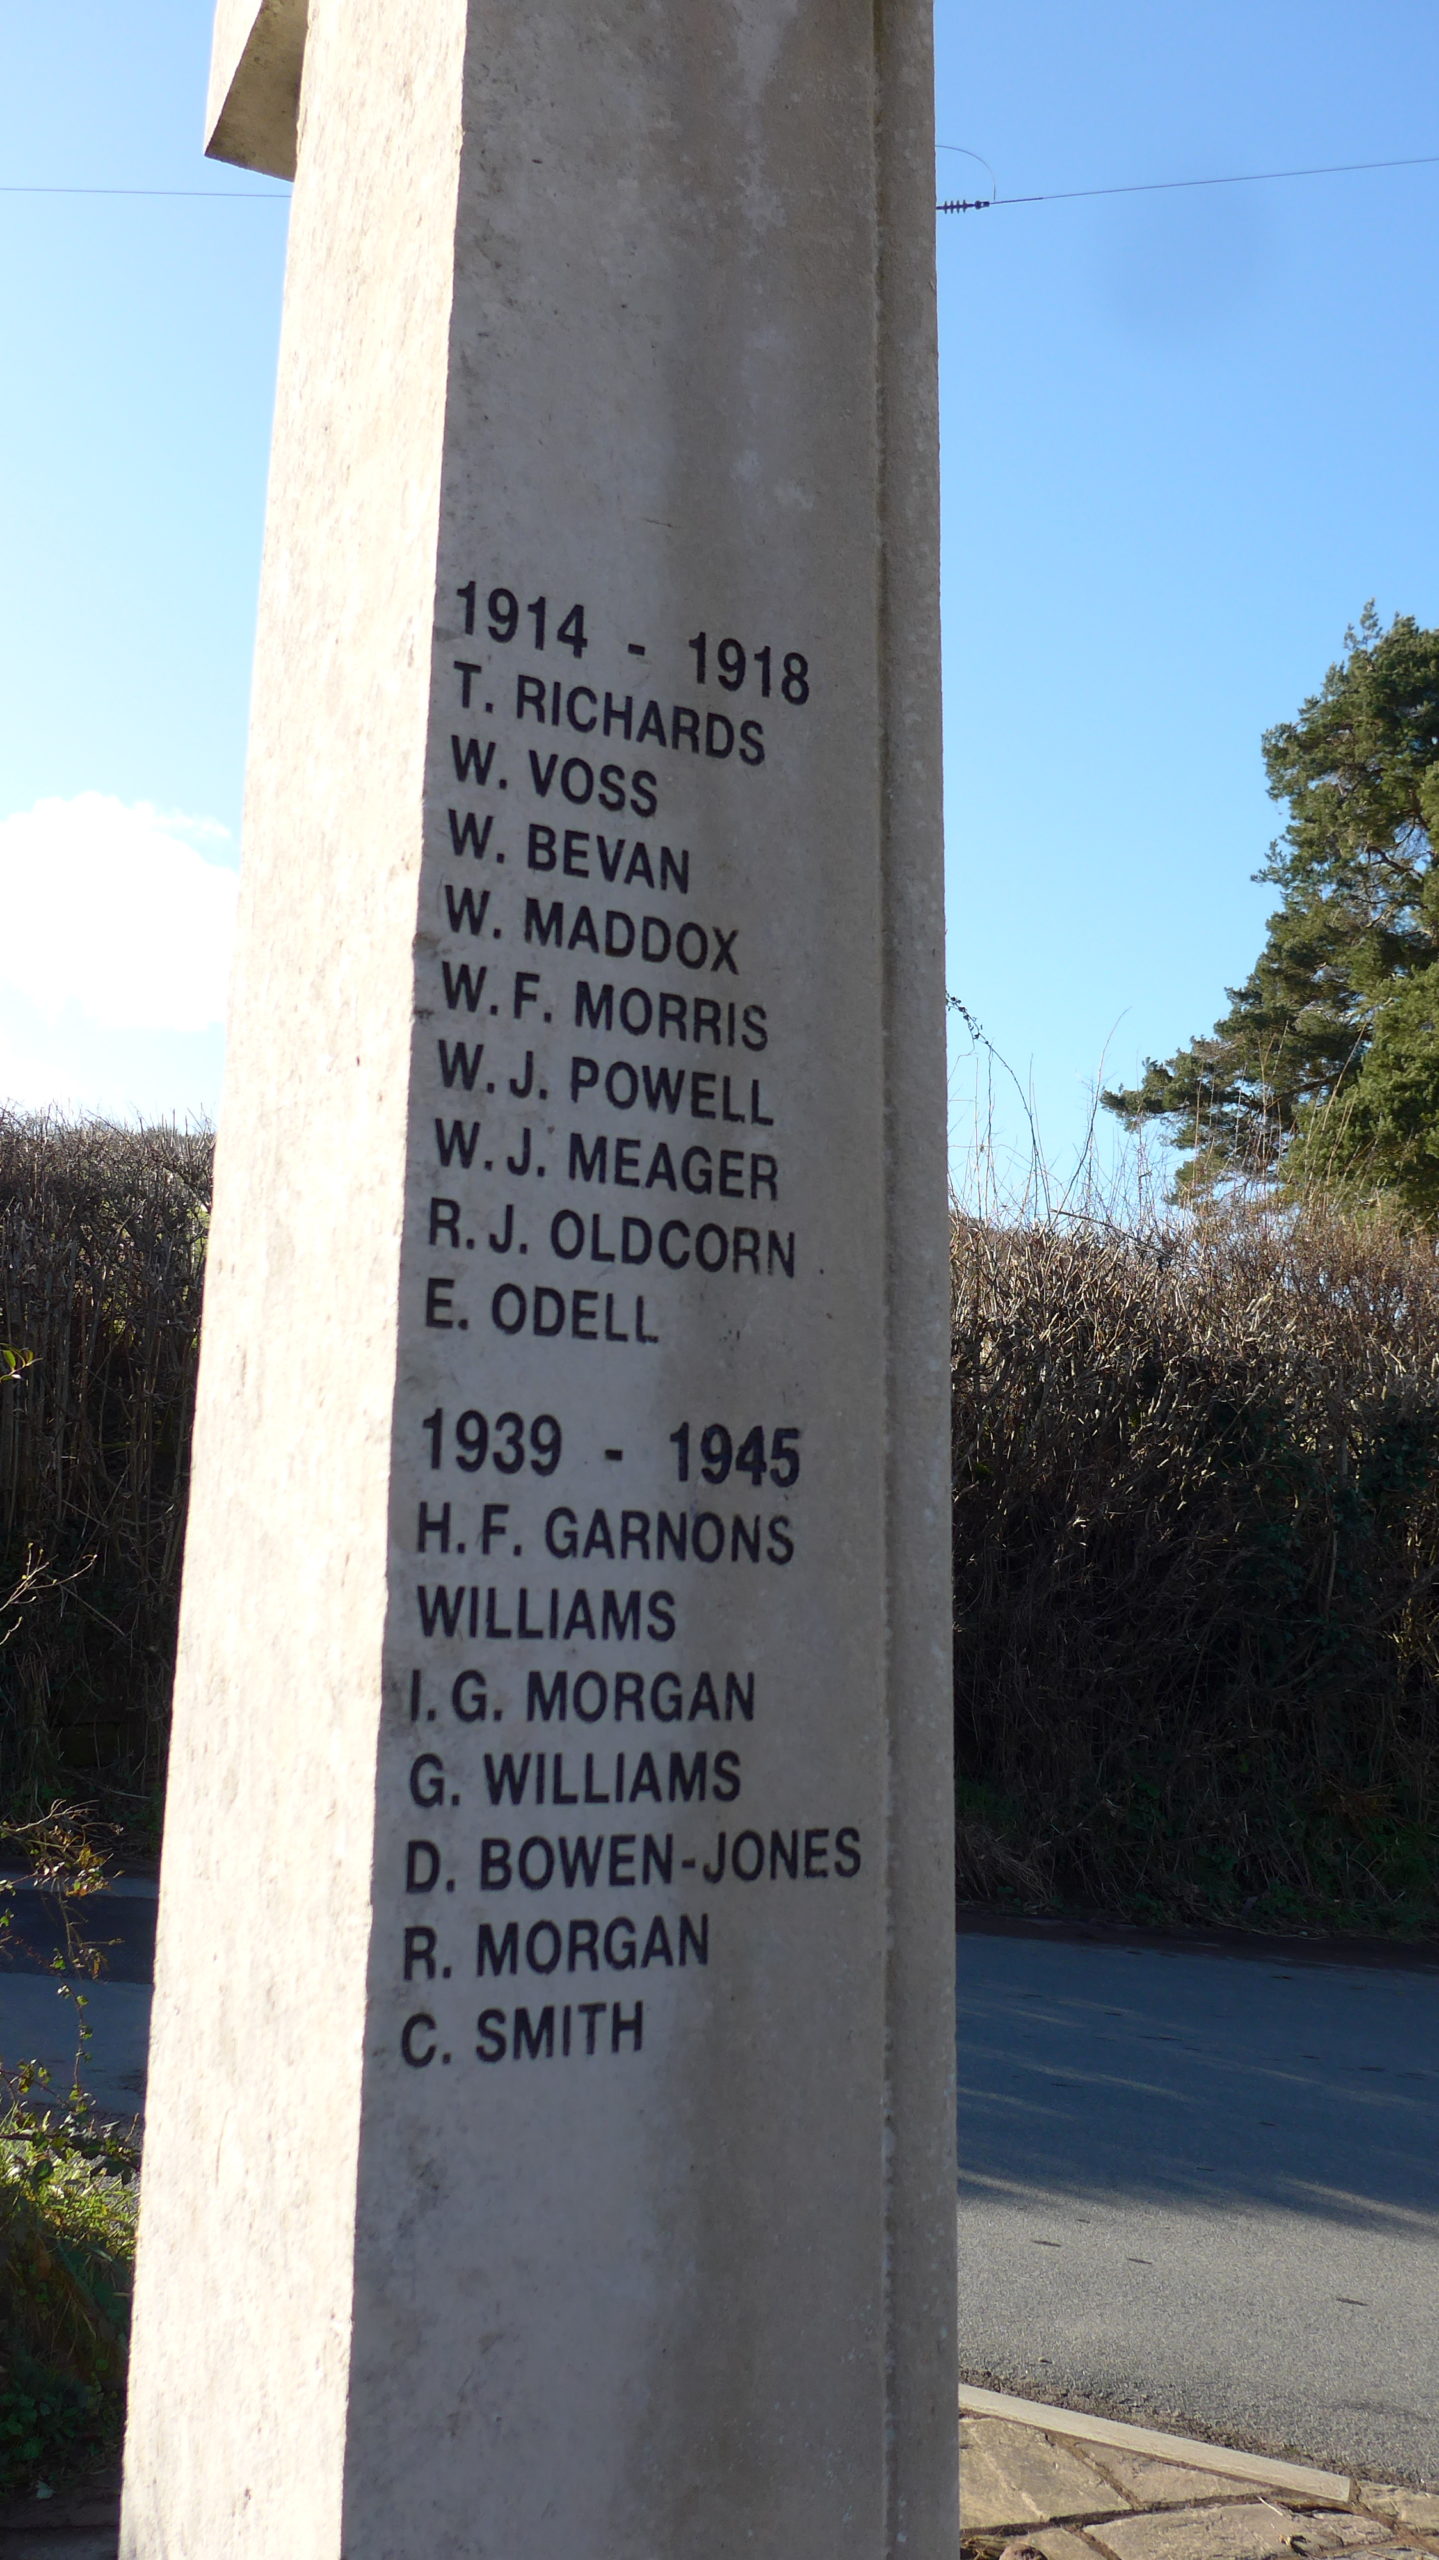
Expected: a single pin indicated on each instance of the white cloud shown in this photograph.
(115, 939)
(108, 914)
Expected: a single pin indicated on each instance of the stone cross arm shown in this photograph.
(254, 100)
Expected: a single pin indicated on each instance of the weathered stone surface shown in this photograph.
(1400, 2550)
(1256, 2532)
(1147, 2482)
(1010, 2476)
(1052, 2542)
(254, 103)
(1326, 2529)
(1417, 2507)
(1096, 2435)
(559, 1789)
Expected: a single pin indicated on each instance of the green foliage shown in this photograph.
(67, 2211)
(66, 2251)
(1323, 1076)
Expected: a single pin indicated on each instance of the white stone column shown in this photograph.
(550, 2147)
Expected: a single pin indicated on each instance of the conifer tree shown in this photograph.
(1323, 1076)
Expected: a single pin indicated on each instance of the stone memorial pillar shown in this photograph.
(550, 2130)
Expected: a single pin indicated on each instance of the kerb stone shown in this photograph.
(1146, 2482)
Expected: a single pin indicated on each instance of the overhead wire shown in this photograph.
(954, 204)
(1165, 186)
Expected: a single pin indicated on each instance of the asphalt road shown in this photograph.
(38, 2023)
(120, 1922)
(1197, 2189)
(1203, 2190)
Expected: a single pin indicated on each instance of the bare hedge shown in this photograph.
(1196, 1535)
(102, 1236)
(1196, 1563)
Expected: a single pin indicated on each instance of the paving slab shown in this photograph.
(1135, 2506)
(1416, 2507)
(1030, 2476)
(1260, 2531)
(1148, 2482)
(1011, 2476)
(1054, 2542)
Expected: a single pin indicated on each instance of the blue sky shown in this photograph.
(1185, 437)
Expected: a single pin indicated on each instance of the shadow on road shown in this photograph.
(1126, 2071)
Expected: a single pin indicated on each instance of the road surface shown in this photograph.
(1196, 2189)
(37, 2022)
(1202, 2190)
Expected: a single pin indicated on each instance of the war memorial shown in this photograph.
(550, 2147)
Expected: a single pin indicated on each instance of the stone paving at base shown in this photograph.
(1027, 2493)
